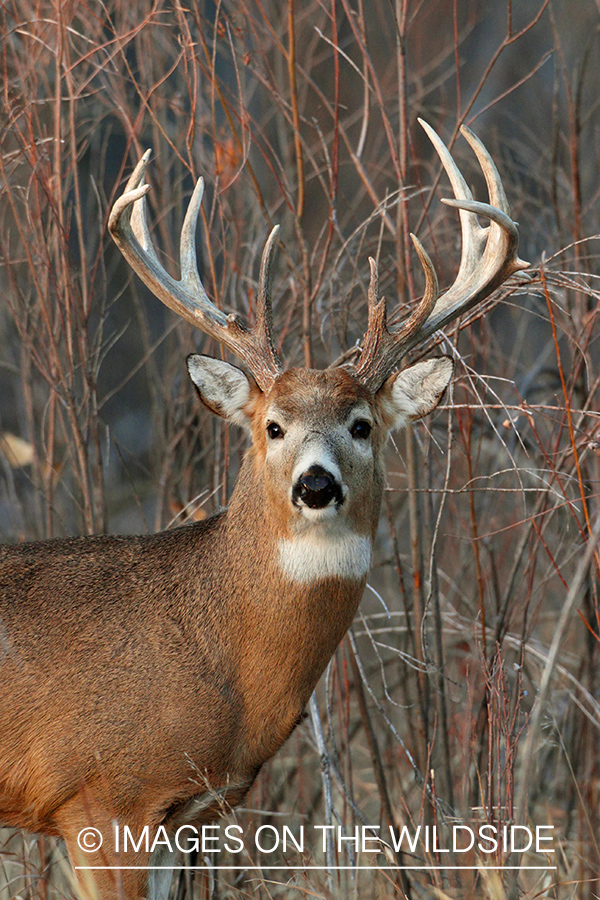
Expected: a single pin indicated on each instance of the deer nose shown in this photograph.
(316, 488)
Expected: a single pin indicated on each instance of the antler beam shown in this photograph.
(129, 227)
(489, 257)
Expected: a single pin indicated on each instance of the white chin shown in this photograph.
(326, 514)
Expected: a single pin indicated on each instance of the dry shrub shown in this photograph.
(468, 690)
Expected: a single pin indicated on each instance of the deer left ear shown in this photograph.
(416, 391)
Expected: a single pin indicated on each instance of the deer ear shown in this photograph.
(416, 391)
(223, 388)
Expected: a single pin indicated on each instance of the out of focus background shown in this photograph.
(462, 694)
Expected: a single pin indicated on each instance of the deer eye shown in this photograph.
(274, 431)
(361, 429)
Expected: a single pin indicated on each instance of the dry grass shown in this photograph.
(469, 688)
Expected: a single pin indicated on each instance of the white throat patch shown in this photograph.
(310, 557)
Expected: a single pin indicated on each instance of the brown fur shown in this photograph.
(138, 673)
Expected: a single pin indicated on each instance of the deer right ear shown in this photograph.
(223, 388)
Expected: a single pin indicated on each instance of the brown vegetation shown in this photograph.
(469, 688)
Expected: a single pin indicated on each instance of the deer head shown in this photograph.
(315, 475)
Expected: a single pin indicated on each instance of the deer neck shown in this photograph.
(291, 612)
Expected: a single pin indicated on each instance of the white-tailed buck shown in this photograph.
(146, 679)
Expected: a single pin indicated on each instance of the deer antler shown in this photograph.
(129, 227)
(489, 257)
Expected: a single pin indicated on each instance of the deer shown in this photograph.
(146, 679)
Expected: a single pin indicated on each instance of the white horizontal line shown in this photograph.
(306, 868)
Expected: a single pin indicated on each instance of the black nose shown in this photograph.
(316, 488)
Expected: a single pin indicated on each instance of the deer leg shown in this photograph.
(102, 872)
(159, 877)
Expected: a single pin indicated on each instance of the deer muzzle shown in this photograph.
(317, 488)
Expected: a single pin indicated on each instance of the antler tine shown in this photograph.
(472, 237)
(128, 226)
(264, 310)
(488, 258)
(490, 172)
(379, 353)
